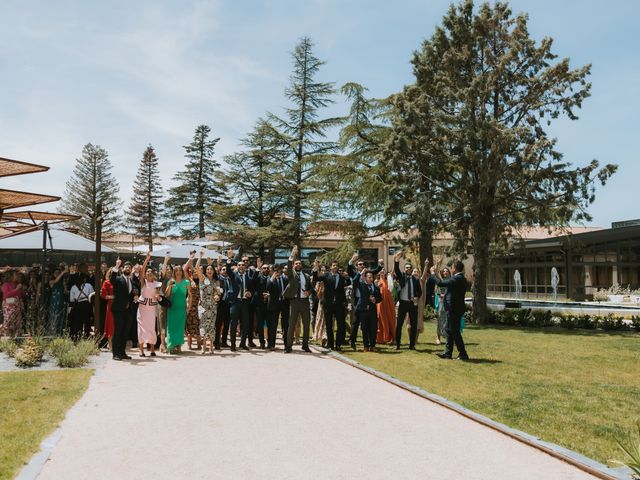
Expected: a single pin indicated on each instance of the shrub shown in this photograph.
(58, 346)
(631, 447)
(88, 347)
(72, 358)
(30, 354)
(8, 346)
(635, 322)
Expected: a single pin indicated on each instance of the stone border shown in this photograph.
(579, 461)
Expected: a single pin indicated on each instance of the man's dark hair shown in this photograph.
(128, 263)
(459, 266)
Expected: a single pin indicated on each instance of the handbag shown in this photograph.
(164, 302)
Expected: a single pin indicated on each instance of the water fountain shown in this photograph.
(555, 281)
(518, 281)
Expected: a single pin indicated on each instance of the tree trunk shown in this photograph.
(480, 272)
(425, 247)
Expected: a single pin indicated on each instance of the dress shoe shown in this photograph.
(126, 357)
(117, 357)
(244, 347)
(412, 348)
(444, 356)
(233, 349)
(338, 349)
(463, 359)
(353, 346)
(397, 347)
(253, 345)
(306, 349)
(224, 345)
(288, 350)
(262, 346)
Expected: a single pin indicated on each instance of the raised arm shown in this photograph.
(146, 262)
(163, 270)
(425, 272)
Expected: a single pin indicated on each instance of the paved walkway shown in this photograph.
(273, 416)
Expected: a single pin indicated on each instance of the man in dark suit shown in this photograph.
(282, 306)
(120, 308)
(275, 300)
(410, 292)
(366, 309)
(260, 300)
(334, 301)
(454, 306)
(352, 271)
(223, 316)
(241, 287)
(298, 292)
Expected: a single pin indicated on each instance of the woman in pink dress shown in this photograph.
(147, 309)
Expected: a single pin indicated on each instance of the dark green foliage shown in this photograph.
(199, 189)
(253, 220)
(91, 183)
(146, 208)
(484, 95)
(303, 134)
(540, 319)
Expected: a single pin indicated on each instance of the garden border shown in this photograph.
(575, 459)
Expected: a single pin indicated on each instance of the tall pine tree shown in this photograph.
(91, 183)
(489, 92)
(199, 188)
(253, 218)
(146, 208)
(304, 134)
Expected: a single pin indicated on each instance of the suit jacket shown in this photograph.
(235, 284)
(121, 298)
(364, 302)
(275, 294)
(292, 290)
(430, 288)
(457, 287)
(260, 283)
(403, 278)
(332, 294)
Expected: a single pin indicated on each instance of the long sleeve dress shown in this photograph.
(105, 291)
(386, 314)
(146, 315)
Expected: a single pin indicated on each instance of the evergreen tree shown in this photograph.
(91, 183)
(485, 92)
(304, 133)
(146, 208)
(253, 219)
(199, 188)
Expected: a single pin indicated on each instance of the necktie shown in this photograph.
(242, 291)
(410, 288)
(280, 281)
(300, 280)
(337, 280)
(128, 284)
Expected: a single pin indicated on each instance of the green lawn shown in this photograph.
(32, 405)
(579, 389)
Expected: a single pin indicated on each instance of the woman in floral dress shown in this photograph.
(210, 293)
(12, 293)
(193, 320)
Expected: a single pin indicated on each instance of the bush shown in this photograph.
(72, 359)
(635, 322)
(58, 346)
(30, 354)
(88, 347)
(541, 319)
(8, 346)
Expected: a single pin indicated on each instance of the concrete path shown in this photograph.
(274, 416)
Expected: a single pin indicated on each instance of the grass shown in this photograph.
(33, 404)
(579, 389)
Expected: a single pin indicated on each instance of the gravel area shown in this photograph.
(269, 415)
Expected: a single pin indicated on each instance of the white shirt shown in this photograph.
(303, 283)
(80, 295)
(407, 292)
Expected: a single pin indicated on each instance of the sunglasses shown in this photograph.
(360, 264)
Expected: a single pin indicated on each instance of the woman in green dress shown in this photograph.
(178, 292)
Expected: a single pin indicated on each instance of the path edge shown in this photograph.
(34, 467)
(575, 459)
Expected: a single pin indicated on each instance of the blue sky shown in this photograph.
(125, 74)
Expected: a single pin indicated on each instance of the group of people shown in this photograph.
(209, 305)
